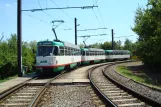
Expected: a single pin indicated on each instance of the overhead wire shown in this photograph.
(66, 13)
(46, 3)
(97, 17)
(62, 10)
(96, 1)
(67, 4)
(42, 20)
(101, 17)
(123, 36)
(97, 20)
(44, 11)
(36, 18)
(48, 14)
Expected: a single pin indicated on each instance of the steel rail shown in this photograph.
(144, 98)
(103, 96)
(41, 92)
(10, 91)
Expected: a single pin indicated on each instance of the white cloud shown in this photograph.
(8, 5)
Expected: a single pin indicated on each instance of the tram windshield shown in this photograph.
(47, 51)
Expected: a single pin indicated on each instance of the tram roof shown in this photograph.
(50, 43)
(123, 51)
(95, 49)
(67, 44)
(92, 49)
(58, 43)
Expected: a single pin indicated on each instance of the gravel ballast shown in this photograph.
(67, 96)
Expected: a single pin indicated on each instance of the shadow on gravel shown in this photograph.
(150, 76)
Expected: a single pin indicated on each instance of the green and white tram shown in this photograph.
(55, 56)
(117, 54)
(92, 55)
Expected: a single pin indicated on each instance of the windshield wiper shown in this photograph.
(44, 55)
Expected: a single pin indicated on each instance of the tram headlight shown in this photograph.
(51, 62)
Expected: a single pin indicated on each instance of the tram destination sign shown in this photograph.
(45, 43)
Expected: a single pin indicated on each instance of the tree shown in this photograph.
(95, 45)
(128, 45)
(106, 46)
(8, 56)
(148, 27)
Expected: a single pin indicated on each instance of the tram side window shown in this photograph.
(107, 53)
(92, 53)
(74, 52)
(55, 51)
(66, 51)
(61, 51)
(79, 52)
(96, 53)
(69, 51)
(83, 53)
(87, 53)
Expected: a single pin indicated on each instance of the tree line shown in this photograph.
(8, 56)
(148, 27)
(128, 45)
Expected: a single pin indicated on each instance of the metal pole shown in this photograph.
(19, 59)
(75, 31)
(112, 39)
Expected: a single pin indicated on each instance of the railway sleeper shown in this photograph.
(141, 104)
(118, 97)
(25, 94)
(126, 101)
(14, 104)
(116, 94)
(104, 89)
(106, 86)
(18, 100)
(28, 91)
(25, 97)
(118, 91)
(32, 87)
(113, 89)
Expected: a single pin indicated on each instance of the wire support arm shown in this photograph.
(81, 7)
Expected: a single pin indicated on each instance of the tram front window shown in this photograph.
(44, 50)
(47, 50)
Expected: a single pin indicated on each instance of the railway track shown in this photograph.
(29, 93)
(66, 90)
(24, 95)
(116, 95)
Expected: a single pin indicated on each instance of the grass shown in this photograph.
(6, 79)
(141, 78)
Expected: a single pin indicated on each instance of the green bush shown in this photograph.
(8, 56)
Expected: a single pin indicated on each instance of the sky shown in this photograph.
(111, 14)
